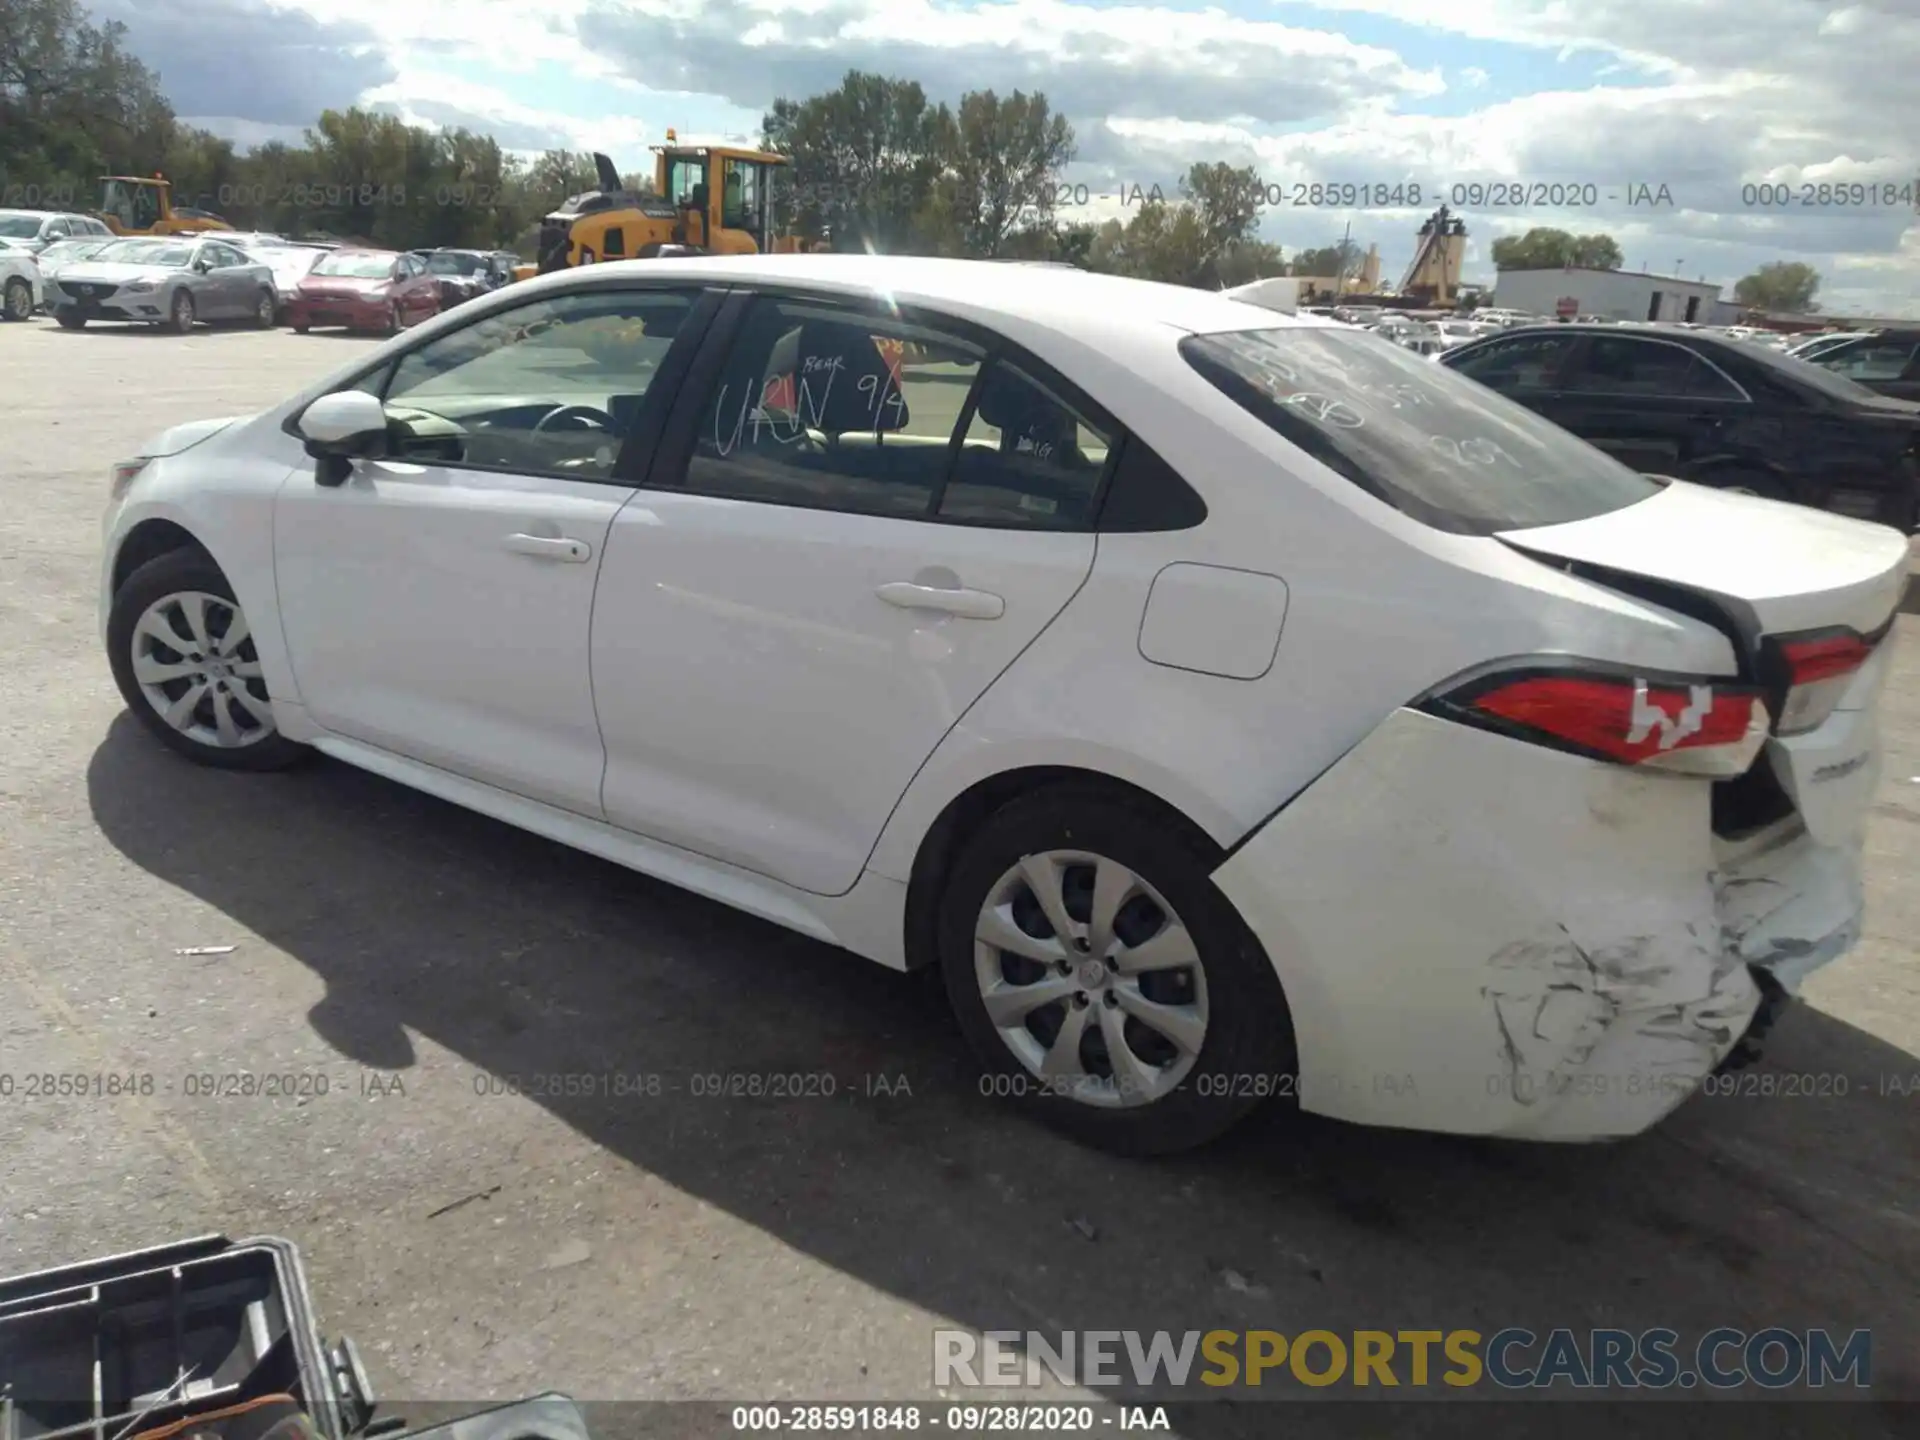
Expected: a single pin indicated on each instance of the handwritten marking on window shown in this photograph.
(883, 400)
(1327, 410)
(1474, 451)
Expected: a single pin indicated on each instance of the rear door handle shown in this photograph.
(972, 604)
(551, 547)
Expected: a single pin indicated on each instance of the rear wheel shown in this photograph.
(266, 310)
(185, 660)
(1102, 978)
(17, 302)
(180, 314)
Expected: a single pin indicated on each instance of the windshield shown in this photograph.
(1435, 445)
(356, 267)
(442, 264)
(62, 251)
(19, 227)
(145, 252)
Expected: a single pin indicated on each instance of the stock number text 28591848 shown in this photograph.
(1304, 194)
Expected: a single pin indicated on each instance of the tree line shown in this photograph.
(875, 163)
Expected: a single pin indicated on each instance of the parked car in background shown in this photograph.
(464, 274)
(1887, 361)
(62, 253)
(37, 229)
(1810, 346)
(379, 290)
(1725, 413)
(1361, 723)
(22, 288)
(1459, 332)
(289, 260)
(177, 281)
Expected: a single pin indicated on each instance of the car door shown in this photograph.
(1655, 405)
(419, 289)
(436, 604)
(239, 286)
(212, 292)
(857, 523)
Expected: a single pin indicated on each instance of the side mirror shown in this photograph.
(342, 427)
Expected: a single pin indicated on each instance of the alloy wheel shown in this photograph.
(1091, 979)
(195, 662)
(19, 300)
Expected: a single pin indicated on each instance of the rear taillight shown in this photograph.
(1817, 669)
(1694, 727)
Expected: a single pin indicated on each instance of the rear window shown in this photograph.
(1441, 448)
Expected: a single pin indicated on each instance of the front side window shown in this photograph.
(833, 409)
(554, 387)
(1526, 362)
(1448, 452)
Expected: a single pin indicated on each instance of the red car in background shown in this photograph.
(380, 290)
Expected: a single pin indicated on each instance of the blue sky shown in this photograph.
(1706, 97)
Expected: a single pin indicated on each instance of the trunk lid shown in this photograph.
(1770, 570)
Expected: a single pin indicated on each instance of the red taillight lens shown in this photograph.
(1699, 728)
(1819, 670)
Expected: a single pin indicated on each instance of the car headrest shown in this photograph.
(1013, 406)
(842, 383)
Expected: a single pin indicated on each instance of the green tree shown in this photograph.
(1785, 285)
(1326, 261)
(865, 159)
(1544, 248)
(999, 163)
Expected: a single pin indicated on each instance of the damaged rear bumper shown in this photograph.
(1485, 937)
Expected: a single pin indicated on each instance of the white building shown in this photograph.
(1613, 294)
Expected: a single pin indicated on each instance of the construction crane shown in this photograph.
(1434, 276)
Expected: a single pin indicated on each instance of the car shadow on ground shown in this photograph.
(525, 957)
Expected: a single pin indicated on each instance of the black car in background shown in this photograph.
(1887, 361)
(1714, 411)
(466, 274)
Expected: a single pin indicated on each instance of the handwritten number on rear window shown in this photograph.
(1328, 411)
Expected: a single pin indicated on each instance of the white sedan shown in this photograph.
(21, 285)
(1230, 706)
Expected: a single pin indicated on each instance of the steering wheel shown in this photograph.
(593, 417)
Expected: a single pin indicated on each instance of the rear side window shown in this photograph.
(1442, 449)
(1654, 369)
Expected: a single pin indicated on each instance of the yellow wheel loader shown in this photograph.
(706, 200)
(139, 205)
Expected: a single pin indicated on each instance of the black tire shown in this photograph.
(300, 329)
(17, 302)
(72, 322)
(180, 313)
(266, 310)
(394, 319)
(1247, 1054)
(169, 574)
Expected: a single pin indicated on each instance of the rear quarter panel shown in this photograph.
(1380, 608)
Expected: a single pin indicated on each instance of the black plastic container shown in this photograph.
(112, 1347)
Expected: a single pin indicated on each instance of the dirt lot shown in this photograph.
(482, 1245)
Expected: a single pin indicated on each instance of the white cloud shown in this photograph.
(1703, 97)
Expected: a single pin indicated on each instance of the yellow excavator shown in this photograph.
(706, 200)
(142, 205)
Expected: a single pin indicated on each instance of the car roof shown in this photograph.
(1040, 295)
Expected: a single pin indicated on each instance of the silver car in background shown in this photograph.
(289, 260)
(62, 253)
(177, 281)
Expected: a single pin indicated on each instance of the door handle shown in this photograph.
(972, 604)
(551, 547)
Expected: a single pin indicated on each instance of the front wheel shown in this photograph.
(395, 321)
(180, 315)
(1103, 979)
(17, 302)
(71, 322)
(266, 310)
(186, 663)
